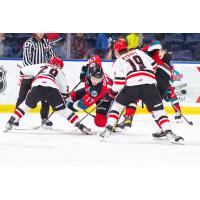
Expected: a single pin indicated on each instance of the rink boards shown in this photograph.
(188, 88)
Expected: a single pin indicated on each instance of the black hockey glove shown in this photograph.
(65, 95)
(83, 73)
(111, 95)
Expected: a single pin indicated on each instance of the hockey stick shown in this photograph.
(43, 122)
(117, 122)
(89, 113)
(189, 122)
(75, 86)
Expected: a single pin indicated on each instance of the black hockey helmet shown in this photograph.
(95, 70)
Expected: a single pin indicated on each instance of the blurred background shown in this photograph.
(181, 46)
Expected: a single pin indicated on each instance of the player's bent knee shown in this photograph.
(100, 120)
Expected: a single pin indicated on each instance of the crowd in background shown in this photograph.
(182, 46)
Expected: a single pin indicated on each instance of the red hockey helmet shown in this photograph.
(120, 45)
(96, 59)
(57, 61)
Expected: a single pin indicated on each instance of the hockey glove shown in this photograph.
(83, 73)
(65, 96)
(111, 95)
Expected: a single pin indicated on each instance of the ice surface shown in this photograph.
(67, 145)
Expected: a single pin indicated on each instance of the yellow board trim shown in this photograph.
(169, 110)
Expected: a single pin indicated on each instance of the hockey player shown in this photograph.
(96, 89)
(49, 84)
(135, 79)
(164, 76)
(36, 50)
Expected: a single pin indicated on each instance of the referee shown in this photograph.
(36, 50)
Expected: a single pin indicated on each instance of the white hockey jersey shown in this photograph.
(48, 76)
(133, 68)
(31, 71)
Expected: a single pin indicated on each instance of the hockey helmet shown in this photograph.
(95, 70)
(155, 45)
(95, 59)
(57, 61)
(120, 45)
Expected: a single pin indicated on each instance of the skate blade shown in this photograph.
(104, 139)
(179, 122)
(88, 133)
(180, 142)
(47, 127)
(160, 139)
(117, 129)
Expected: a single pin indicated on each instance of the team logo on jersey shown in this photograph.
(94, 93)
(3, 83)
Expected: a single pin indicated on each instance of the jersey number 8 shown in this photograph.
(52, 71)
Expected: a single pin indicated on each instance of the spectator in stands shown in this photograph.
(160, 37)
(134, 40)
(110, 54)
(103, 44)
(2, 38)
(91, 41)
(53, 37)
(57, 41)
(197, 52)
(79, 46)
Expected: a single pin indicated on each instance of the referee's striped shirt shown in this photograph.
(36, 52)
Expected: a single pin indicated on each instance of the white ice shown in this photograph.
(67, 145)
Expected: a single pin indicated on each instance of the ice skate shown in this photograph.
(178, 117)
(9, 125)
(16, 124)
(174, 138)
(126, 124)
(83, 128)
(107, 132)
(159, 135)
(47, 124)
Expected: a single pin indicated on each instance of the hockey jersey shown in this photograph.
(133, 68)
(98, 91)
(152, 49)
(47, 75)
